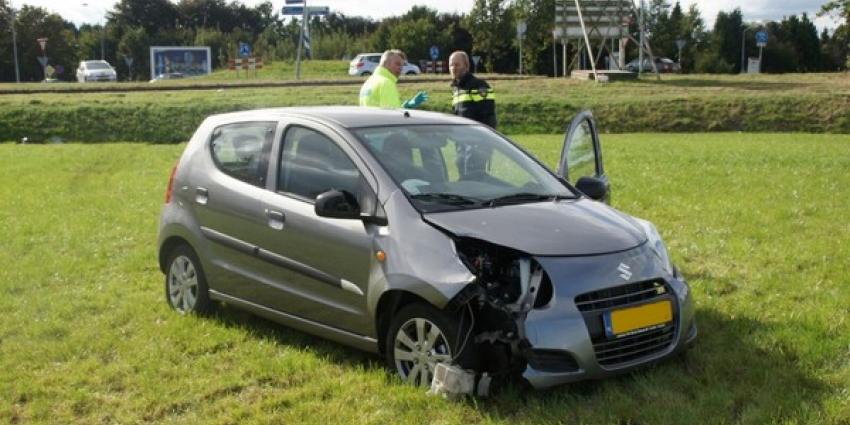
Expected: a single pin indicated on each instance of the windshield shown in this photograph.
(447, 167)
(96, 65)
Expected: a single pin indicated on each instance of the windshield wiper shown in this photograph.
(446, 198)
(523, 197)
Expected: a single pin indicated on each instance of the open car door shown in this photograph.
(581, 158)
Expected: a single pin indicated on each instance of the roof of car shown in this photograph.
(352, 116)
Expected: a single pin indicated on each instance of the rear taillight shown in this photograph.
(360, 64)
(170, 187)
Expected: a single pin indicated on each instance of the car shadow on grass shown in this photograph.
(731, 375)
(734, 373)
(262, 328)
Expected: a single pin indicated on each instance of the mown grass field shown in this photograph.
(818, 103)
(758, 222)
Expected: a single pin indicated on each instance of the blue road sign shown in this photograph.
(312, 10)
(435, 52)
(761, 37)
(292, 10)
(318, 10)
(244, 49)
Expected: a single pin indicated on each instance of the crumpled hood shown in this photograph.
(562, 228)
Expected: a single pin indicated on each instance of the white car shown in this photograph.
(364, 64)
(95, 70)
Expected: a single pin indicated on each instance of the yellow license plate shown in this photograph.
(644, 317)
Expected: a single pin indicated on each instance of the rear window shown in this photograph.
(97, 65)
(241, 150)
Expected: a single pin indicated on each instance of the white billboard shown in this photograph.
(187, 60)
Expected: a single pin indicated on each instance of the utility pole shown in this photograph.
(14, 19)
(554, 54)
(102, 30)
(300, 42)
(640, 49)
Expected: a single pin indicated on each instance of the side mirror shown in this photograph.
(594, 188)
(337, 204)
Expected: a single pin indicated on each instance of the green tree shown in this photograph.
(695, 36)
(34, 23)
(841, 41)
(152, 15)
(492, 28)
(135, 44)
(726, 40)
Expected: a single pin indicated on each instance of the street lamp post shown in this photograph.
(102, 30)
(13, 18)
(744, 46)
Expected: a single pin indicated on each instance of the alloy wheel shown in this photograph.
(419, 346)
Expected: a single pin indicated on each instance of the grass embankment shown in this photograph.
(757, 222)
(800, 103)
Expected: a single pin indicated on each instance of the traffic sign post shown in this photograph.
(521, 27)
(244, 49)
(434, 52)
(680, 43)
(761, 41)
(129, 62)
(304, 37)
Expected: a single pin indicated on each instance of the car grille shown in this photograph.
(625, 349)
(617, 296)
(615, 351)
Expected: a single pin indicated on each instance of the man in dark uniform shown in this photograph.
(472, 98)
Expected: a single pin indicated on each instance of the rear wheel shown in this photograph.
(185, 284)
(366, 74)
(420, 337)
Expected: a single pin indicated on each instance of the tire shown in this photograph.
(410, 73)
(186, 287)
(366, 74)
(413, 355)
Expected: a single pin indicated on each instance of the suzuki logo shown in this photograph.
(625, 271)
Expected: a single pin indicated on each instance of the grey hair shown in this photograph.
(389, 54)
(462, 54)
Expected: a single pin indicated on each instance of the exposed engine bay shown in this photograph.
(508, 285)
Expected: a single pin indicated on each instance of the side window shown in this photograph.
(241, 150)
(311, 164)
(582, 155)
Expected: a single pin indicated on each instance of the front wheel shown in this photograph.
(185, 284)
(420, 337)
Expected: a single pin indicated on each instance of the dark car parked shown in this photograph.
(664, 65)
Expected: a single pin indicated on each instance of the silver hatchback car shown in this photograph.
(424, 237)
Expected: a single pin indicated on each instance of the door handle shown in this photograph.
(276, 219)
(202, 195)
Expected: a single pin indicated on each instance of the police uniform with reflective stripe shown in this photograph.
(473, 98)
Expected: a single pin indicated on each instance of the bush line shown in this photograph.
(173, 124)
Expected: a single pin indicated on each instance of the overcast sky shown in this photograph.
(74, 11)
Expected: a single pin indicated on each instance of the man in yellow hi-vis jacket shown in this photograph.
(380, 89)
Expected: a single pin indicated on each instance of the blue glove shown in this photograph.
(415, 101)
